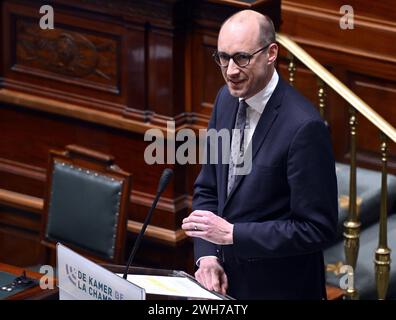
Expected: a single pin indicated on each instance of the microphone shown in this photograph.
(164, 180)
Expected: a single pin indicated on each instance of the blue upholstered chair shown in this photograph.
(86, 205)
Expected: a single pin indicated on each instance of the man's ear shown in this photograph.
(272, 53)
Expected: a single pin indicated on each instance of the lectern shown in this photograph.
(82, 279)
(154, 273)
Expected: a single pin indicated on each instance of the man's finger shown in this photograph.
(196, 234)
(215, 282)
(224, 283)
(200, 213)
(198, 277)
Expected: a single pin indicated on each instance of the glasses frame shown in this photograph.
(249, 56)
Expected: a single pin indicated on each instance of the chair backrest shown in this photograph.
(86, 205)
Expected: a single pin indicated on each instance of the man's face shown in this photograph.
(244, 82)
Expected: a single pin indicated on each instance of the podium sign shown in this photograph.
(82, 279)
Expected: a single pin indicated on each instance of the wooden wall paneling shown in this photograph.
(368, 48)
(19, 244)
(305, 80)
(363, 9)
(380, 94)
(206, 84)
(2, 44)
(19, 247)
(52, 132)
(166, 68)
(157, 255)
(206, 76)
(338, 118)
(78, 61)
(134, 73)
(362, 58)
(22, 178)
(92, 60)
(319, 26)
(20, 219)
(145, 61)
(160, 72)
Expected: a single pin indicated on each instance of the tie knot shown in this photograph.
(241, 114)
(243, 105)
(242, 110)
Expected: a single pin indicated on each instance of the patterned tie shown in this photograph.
(237, 144)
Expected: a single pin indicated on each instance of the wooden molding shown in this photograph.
(34, 204)
(73, 111)
(95, 116)
(374, 27)
(21, 201)
(172, 237)
(136, 197)
(343, 49)
(25, 170)
(165, 204)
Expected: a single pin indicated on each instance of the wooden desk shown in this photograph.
(34, 293)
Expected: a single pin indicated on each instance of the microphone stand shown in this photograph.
(164, 180)
(140, 236)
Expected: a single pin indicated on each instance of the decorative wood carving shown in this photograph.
(72, 54)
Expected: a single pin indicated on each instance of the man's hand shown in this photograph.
(211, 275)
(208, 226)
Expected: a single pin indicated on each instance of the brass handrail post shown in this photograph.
(321, 96)
(291, 68)
(352, 224)
(322, 99)
(382, 254)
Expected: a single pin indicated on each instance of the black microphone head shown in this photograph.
(165, 178)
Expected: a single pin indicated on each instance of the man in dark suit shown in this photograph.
(260, 234)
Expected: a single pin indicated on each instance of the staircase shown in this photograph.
(359, 261)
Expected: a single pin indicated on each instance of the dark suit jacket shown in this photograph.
(285, 211)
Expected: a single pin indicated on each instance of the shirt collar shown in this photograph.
(260, 99)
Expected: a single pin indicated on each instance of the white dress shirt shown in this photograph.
(257, 104)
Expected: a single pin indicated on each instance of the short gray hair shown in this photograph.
(267, 33)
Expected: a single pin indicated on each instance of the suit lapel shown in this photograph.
(264, 125)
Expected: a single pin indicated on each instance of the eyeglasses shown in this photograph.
(241, 59)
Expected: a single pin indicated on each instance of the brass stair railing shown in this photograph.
(387, 132)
